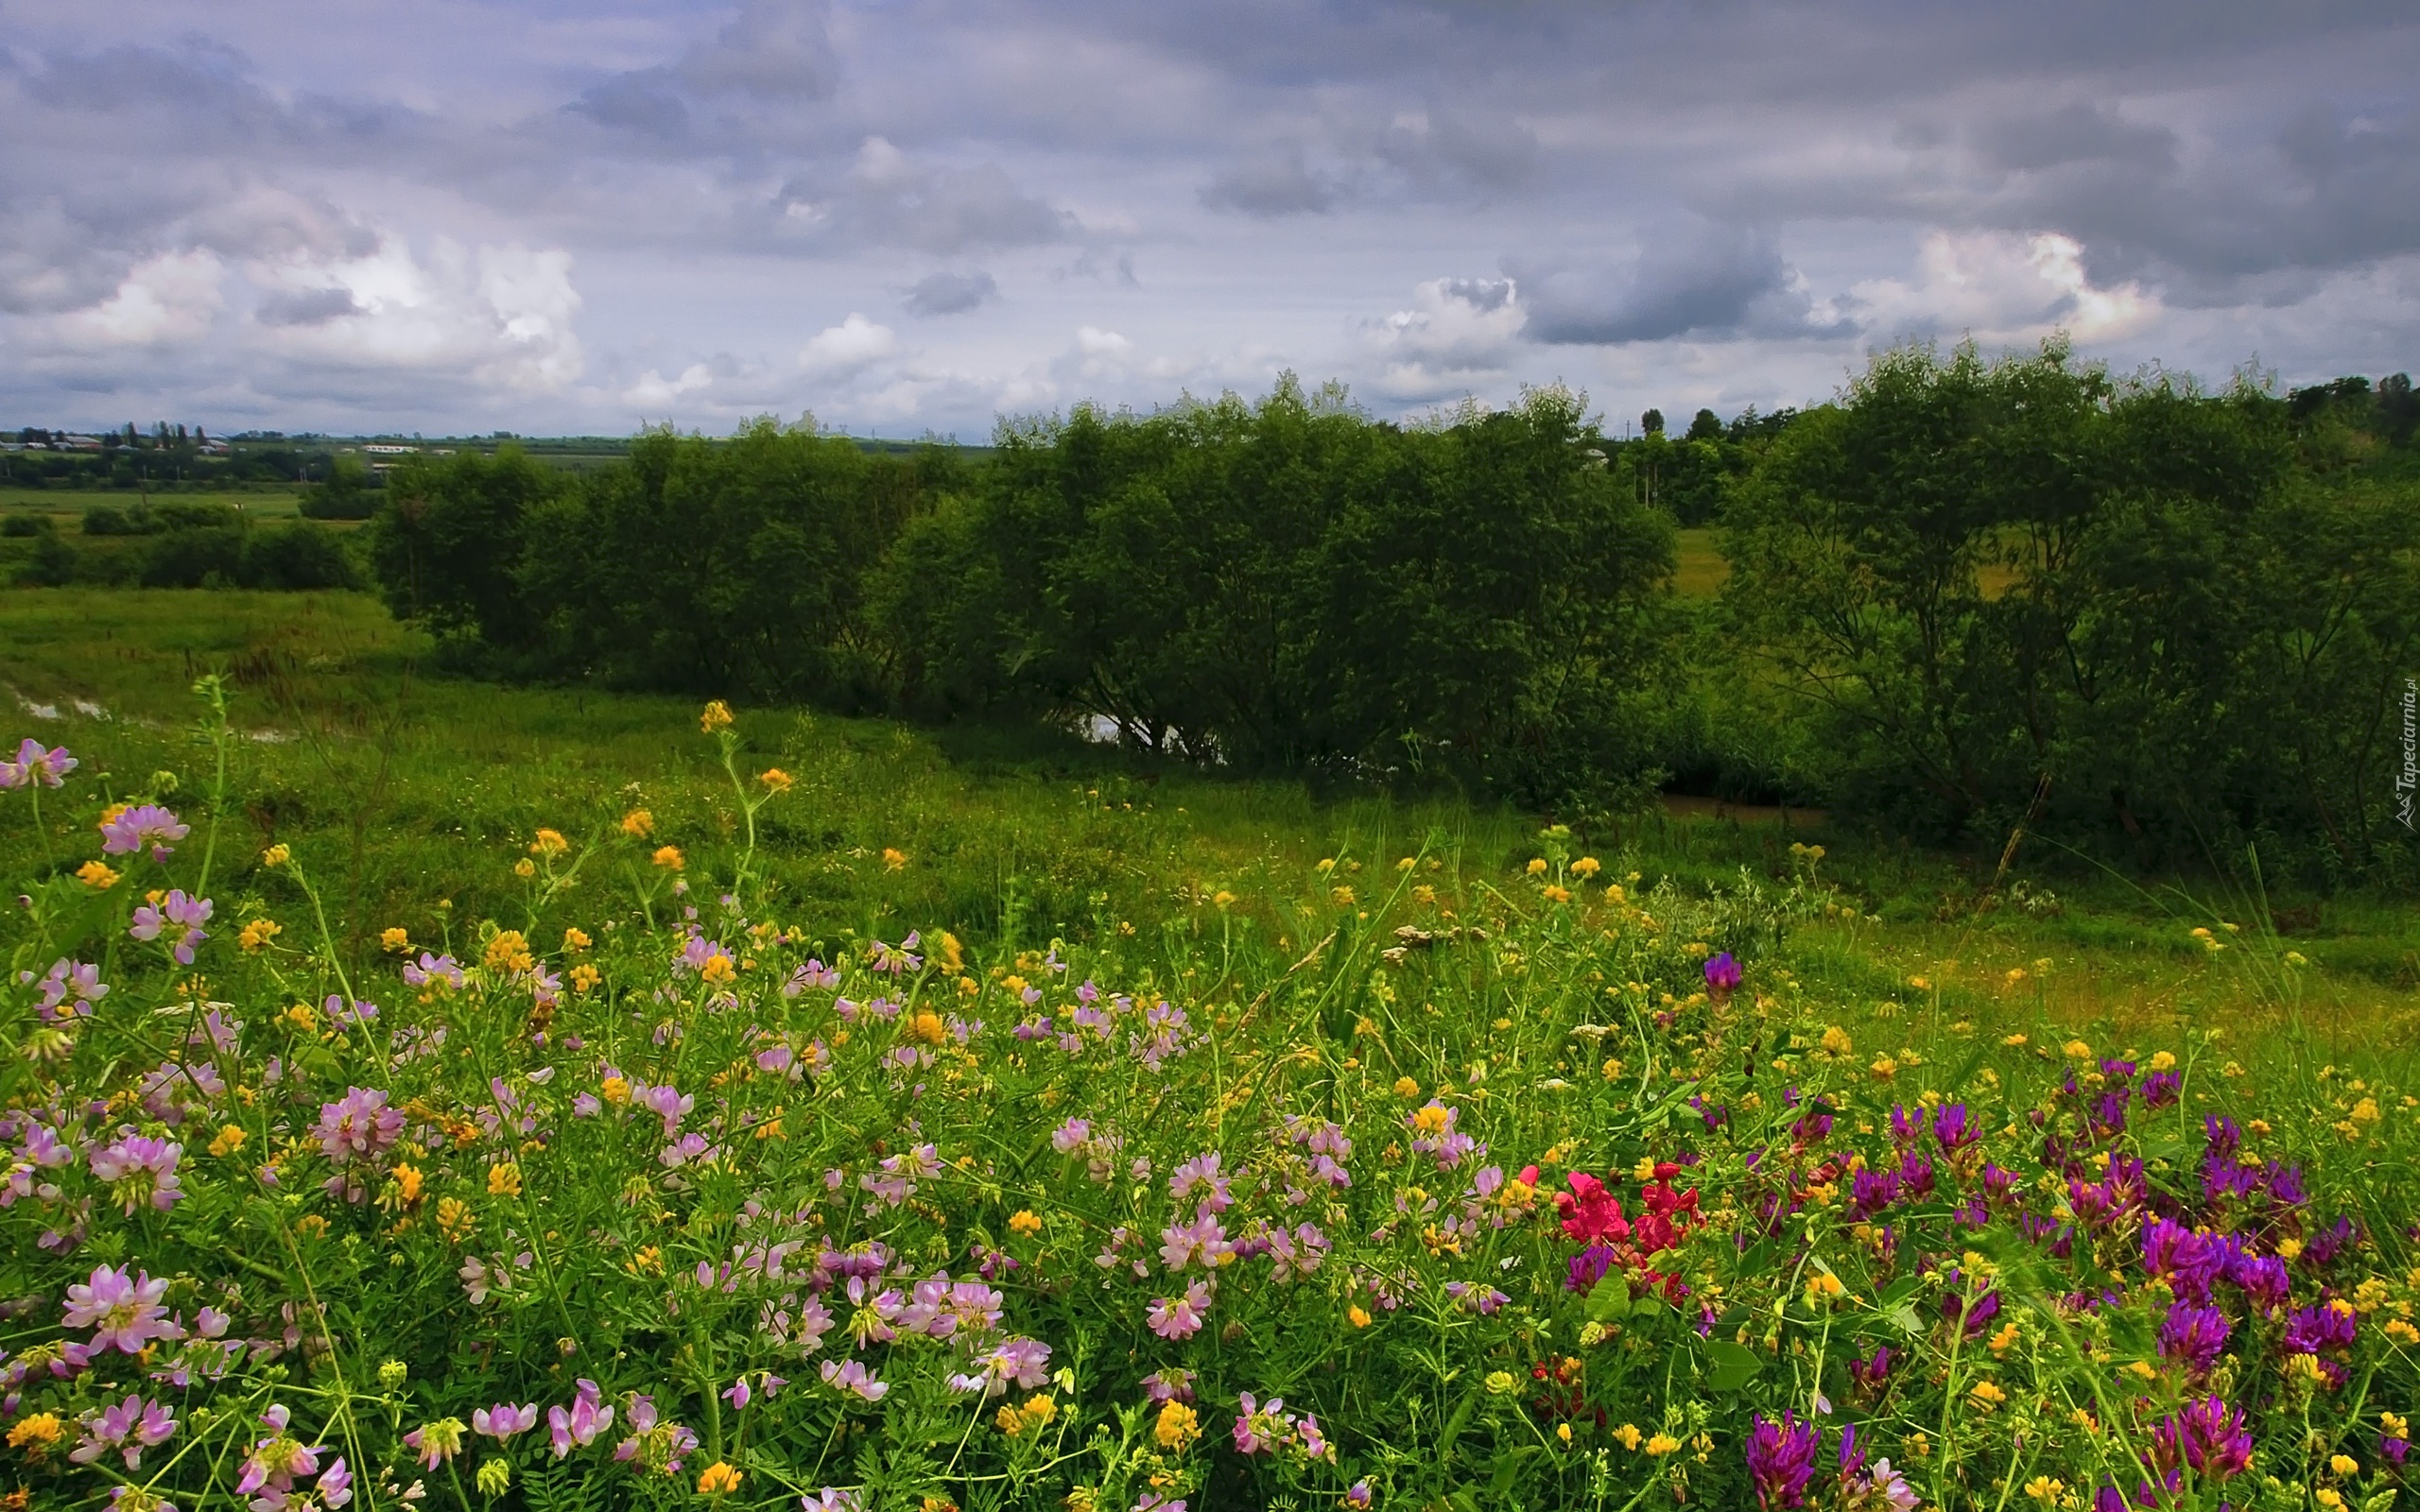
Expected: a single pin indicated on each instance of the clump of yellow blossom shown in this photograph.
(256, 935)
(395, 940)
(1178, 1425)
(717, 1479)
(549, 843)
(716, 715)
(584, 977)
(638, 824)
(669, 857)
(504, 1179)
(1024, 1221)
(277, 855)
(776, 779)
(96, 875)
(576, 939)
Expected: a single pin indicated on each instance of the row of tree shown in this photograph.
(1978, 591)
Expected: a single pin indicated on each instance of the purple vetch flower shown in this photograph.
(2320, 1330)
(1722, 973)
(277, 1460)
(1203, 1240)
(2193, 1335)
(36, 767)
(1020, 1362)
(1298, 1253)
(436, 1443)
(580, 1425)
(2161, 1088)
(187, 915)
(2263, 1280)
(122, 1310)
(129, 1427)
(1180, 1317)
(359, 1127)
(851, 1377)
(1781, 1460)
(69, 990)
(2191, 1263)
(434, 970)
(1262, 1429)
(1953, 1128)
(1200, 1174)
(140, 1170)
(655, 1442)
(503, 1421)
(1168, 1383)
(1874, 1372)
(145, 824)
(2205, 1435)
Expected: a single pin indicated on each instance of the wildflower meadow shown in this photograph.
(1546, 1189)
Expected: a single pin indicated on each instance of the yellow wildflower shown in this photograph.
(577, 939)
(893, 859)
(2045, 1489)
(1537, 866)
(668, 857)
(1178, 1426)
(638, 824)
(1628, 1436)
(1837, 1041)
(776, 779)
(96, 875)
(2344, 1465)
(256, 935)
(1885, 1068)
(2005, 1338)
(549, 843)
(454, 1219)
(1663, 1444)
(1586, 866)
(614, 1090)
(504, 1179)
(1405, 1087)
(1357, 1315)
(1986, 1395)
(717, 1479)
(395, 940)
(525, 868)
(276, 855)
(228, 1139)
(508, 951)
(37, 1436)
(586, 976)
(1024, 1221)
(717, 715)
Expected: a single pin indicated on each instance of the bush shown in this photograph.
(210, 556)
(2019, 592)
(24, 524)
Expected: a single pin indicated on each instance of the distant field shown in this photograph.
(1701, 567)
(69, 504)
(414, 786)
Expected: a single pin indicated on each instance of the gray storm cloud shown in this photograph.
(359, 218)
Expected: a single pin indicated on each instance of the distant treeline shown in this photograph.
(185, 545)
(1969, 594)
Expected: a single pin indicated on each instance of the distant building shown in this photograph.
(388, 449)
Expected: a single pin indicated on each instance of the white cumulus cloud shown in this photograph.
(653, 390)
(2003, 286)
(851, 347)
(500, 316)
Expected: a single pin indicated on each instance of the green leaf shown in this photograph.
(1609, 1302)
(1731, 1366)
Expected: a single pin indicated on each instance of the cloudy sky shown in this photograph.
(449, 216)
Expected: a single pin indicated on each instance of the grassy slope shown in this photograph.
(409, 789)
